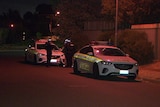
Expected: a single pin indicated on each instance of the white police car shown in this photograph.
(103, 60)
(36, 53)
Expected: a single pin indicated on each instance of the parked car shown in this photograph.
(36, 53)
(103, 60)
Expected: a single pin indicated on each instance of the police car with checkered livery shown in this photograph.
(36, 53)
(103, 60)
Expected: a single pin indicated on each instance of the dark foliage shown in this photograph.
(136, 45)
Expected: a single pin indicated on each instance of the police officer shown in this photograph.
(69, 50)
(48, 48)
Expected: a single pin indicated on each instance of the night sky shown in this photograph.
(21, 5)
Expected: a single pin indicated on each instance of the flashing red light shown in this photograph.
(12, 25)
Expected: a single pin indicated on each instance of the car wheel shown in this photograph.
(95, 70)
(35, 59)
(62, 65)
(132, 77)
(75, 68)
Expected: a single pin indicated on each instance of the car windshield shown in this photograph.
(109, 52)
(42, 46)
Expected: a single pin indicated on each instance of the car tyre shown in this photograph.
(95, 70)
(132, 77)
(75, 68)
(35, 59)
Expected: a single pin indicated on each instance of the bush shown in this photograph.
(3, 35)
(136, 44)
(80, 40)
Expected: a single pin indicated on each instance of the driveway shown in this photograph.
(150, 72)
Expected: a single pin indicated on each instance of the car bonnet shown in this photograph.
(117, 59)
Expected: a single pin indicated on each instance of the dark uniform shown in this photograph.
(69, 50)
(49, 48)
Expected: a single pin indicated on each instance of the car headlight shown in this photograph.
(106, 63)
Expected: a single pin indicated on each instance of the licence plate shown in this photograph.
(124, 72)
(53, 60)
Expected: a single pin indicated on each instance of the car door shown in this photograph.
(85, 63)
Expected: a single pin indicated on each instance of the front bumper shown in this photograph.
(113, 70)
(54, 60)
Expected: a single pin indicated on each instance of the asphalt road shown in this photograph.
(27, 85)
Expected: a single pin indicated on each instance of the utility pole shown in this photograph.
(116, 23)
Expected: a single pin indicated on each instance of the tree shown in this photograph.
(146, 11)
(55, 3)
(29, 23)
(44, 15)
(44, 9)
(39, 21)
(133, 11)
(12, 17)
(74, 13)
(3, 35)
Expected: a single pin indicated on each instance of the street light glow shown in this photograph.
(11, 25)
(57, 13)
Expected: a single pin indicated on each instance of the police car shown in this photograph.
(103, 60)
(36, 53)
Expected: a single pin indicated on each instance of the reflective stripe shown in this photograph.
(87, 57)
(84, 66)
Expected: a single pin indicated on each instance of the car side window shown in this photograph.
(87, 50)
